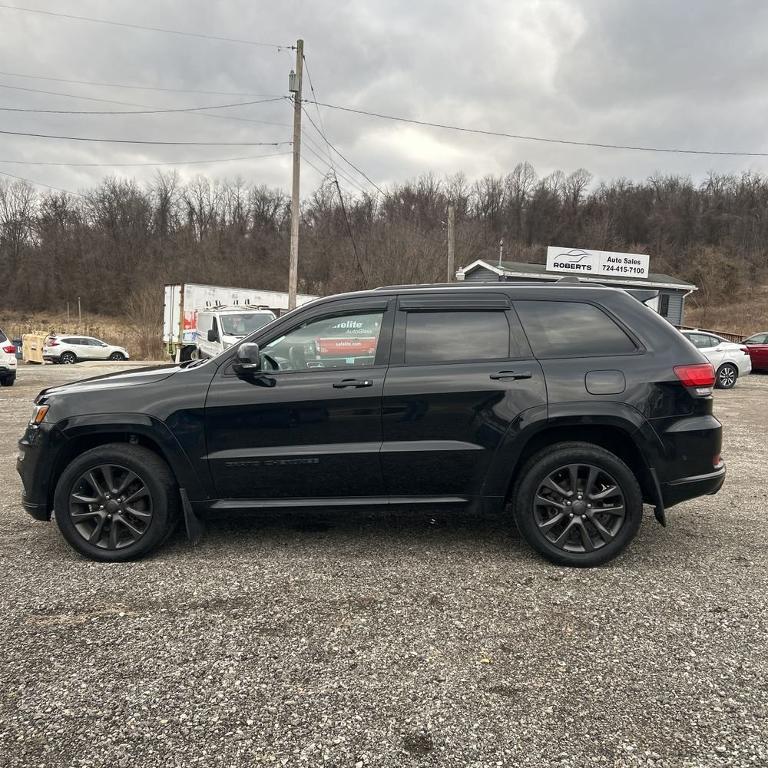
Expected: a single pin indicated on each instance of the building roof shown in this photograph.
(521, 270)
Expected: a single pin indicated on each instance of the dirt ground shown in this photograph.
(432, 640)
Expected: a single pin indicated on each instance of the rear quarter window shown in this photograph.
(456, 337)
(572, 329)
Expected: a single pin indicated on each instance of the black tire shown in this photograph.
(160, 498)
(618, 532)
(8, 381)
(726, 376)
(67, 358)
(117, 356)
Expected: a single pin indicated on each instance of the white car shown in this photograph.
(7, 361)
(728, 359)
(73, 349)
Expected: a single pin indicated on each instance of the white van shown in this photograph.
(220, 327)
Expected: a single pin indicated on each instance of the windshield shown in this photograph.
(244, 323)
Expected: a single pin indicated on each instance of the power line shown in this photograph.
(198, 35)
(139, 141)
(40, 184)
(139, 111)
(243, 158)
(138, 87)
(330, 146)
(314, 149)
(505, 135)
(333, 170)
(345, 159)
(147, 106)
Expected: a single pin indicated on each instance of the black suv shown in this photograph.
(568, 404)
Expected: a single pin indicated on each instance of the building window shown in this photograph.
(664, 305)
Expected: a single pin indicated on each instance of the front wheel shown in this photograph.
(726, 376)
(118, 356)
(578, 504)
(8, 381)
(68, 358)
(116, 502)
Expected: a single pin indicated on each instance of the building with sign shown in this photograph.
(670, 303)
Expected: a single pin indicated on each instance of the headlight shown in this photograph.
(38, 414)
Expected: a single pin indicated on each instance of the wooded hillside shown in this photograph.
(116, 245)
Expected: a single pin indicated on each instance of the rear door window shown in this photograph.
(456, 336)
(572, 329)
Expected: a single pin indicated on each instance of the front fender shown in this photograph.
(144, 426)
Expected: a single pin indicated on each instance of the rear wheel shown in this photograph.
(68, 358)
(116, 502)
(578, 504)
(117, 356)
(727, 374)
(8, 381)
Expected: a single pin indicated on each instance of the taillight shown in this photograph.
(52, 343)
(10, 349)
(745, 350)
(700, 377)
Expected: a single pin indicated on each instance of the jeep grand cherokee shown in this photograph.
(568, 405)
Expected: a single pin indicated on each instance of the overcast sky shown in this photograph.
(652, 73)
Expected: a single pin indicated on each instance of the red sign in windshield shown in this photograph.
(346, 347)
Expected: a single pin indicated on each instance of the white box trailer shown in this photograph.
(183, 301)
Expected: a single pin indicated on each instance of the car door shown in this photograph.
(97, 350)
(460, 374)
(309, 425)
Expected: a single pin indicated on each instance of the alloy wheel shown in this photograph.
(579, 508)
(727, 376)
(110, 506)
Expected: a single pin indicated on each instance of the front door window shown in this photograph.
(337, 342)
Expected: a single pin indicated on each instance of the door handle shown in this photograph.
(511, 375)
(356, 383)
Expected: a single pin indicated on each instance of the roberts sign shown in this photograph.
(581, 262)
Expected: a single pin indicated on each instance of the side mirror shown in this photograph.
(247, 359)
(213, 335)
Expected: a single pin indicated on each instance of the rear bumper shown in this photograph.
(687, 488)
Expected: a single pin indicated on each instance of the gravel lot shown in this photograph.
(399, 641)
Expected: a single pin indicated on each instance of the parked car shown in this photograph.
(569, 405)
(218, 329)
(728, 359)
(7, 361)
(72, 349)
(757, 347)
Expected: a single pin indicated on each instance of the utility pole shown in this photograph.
(501, 251)
(451, 241)
(294, 85)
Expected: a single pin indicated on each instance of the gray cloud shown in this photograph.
(652, 73)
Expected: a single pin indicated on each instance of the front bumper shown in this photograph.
(687, 488)
(34, 464)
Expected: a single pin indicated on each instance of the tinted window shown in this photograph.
(70, 341)
(442, 337)
(340, 341)
(571, 329)
(3, 337)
